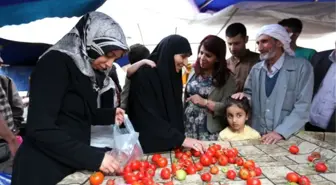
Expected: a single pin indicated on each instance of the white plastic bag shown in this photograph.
(126, 143)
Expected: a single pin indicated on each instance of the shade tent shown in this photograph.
(25, 11)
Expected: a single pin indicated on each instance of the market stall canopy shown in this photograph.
(25, 11)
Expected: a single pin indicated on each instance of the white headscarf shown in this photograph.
(97, 34)
(278, 32)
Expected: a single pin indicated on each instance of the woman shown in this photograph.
(155, 99)
(208, 85)
(64, 98)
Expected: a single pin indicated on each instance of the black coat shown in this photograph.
(61, 111)
(321, 64)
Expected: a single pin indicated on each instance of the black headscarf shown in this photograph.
(163, 56)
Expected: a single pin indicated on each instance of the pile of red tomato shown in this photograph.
(216, 158)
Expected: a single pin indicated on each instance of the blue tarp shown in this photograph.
(25, 11)
(217, 5)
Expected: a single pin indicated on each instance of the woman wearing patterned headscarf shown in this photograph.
(65, 101)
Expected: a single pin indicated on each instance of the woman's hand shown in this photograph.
(197, 100)
(109, 164)
(238, 96)
(148, 62)
(119, 116)
(195, 144)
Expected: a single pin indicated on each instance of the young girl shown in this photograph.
(237, 114)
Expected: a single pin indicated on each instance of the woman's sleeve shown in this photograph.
(49, 85)
(149, 113)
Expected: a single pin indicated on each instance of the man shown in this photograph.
(280, 87)
(11, 111)
(137, 52)
(294, 28)
(323, 109)
(242, 59)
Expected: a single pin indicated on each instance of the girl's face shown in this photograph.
(236, 117)
(180, 61)
(106, 61)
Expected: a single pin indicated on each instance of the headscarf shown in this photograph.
(163, 56)
(94, 35)
(278, 32)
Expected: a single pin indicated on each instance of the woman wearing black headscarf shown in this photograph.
(155, 99)
(65, 100)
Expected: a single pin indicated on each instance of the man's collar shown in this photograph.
(332, 56)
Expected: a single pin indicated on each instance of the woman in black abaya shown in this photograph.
(155, 99)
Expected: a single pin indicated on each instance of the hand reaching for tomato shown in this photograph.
(194, 144)
(109, 164)
(271, 138)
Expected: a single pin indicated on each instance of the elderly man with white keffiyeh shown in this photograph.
(11, 111)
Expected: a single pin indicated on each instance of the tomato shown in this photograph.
(199, 166)
(219, 153)
(231, 174)
(206, 177)
(150, 172)
(175, 167)
(148, 181)
(96, 178)
(137, 183)
(223, 160)
(110, 182)
(253, 181)
(232, 160)
(321, 167)
(240, 161)
(252, 173)
(140, 175)
(250, 165)
(195, 153)
(229, 153)
(191, 169)
(130, 179)
(218, 147)
(311, 158)
(244, 173)
(205, 160)
(258, 171)
(294, 149)
(235, 151)
(127, 169)
(304, 180)
(178, 155)
(188, 162)
(213, 160)
(152, 166)
(212, 149)
(185, 157)
(165, 173)
(169, 183)
(135, 165)
(162, 162)
(210, 153)
(156, 157)
(214, 170)
(188, 153)
(292, 177)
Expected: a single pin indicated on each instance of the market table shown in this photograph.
(274, 160)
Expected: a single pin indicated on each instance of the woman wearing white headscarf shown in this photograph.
(65, 101)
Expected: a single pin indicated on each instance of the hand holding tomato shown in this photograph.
(109, 164)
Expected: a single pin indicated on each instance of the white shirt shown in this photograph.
(275, 67)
